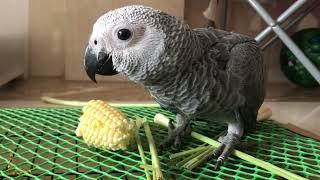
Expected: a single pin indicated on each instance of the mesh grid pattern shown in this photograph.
(40, 143)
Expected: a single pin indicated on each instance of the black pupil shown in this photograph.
(124, 34)
(95, 42)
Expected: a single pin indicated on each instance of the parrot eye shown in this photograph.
(124, 34)
(95, 42)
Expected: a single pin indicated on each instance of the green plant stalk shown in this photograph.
(74, 103)
(193, 160)
(184, 161)
(147, 166)
(154, 175)
(141, 152)
(197, 158)
(163, 120)
(153, 150)
(185, 153)
(200, 159)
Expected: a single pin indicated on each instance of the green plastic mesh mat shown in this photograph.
(40, 143)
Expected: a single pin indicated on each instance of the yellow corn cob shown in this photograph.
(105, 126)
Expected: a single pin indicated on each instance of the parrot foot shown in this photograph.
(228, 144)
(177, 135)
(241, 145)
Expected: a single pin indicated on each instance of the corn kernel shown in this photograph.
(104, 126)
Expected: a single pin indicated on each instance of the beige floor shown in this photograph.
(27, 93)
(288, 103)
(33, 89)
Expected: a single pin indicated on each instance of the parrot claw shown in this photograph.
(228, 145)
(222, 152)
(176, 135)
(225, 149)
(217, 152)
(218, 164)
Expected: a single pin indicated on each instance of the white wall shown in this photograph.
(13, 38)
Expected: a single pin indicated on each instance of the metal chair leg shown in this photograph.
(284, 37)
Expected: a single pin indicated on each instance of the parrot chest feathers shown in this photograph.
(198, 90)
(214, 82)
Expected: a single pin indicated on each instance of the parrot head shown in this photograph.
(135, 41)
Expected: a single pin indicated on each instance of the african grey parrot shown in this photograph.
(200, 73)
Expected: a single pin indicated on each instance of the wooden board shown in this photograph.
(193, 13)
(80, 17)
(46, 44)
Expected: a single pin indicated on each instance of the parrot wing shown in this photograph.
(241, 71)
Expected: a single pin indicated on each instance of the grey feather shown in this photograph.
(198, 73)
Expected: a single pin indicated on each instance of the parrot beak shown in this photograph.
(102, 65)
